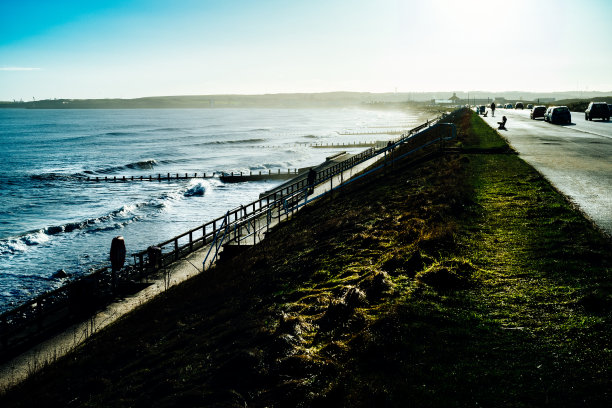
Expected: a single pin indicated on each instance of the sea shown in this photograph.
(52, 218)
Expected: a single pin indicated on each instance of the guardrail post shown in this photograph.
(141, 266)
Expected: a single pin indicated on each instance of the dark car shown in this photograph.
(558, 114)
(481, 109)
(530, 106)
(537, 112)
(518, 105)
(597, 110)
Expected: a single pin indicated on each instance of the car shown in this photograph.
(538, 112)
(597, 110)
(481, 109)
(610, 107)
(518, 105)
(530, 106)
(558, 114)
(509, 106)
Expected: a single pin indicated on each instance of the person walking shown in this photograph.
(312, 176)
(493, 109)
(117, 258)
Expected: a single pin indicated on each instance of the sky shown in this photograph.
(135, 48)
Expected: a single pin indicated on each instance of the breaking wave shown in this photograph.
(148, 164)
(196, 191)
(198, 188)
(115, 220)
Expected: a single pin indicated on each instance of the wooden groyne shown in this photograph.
(240, 177)
(363, 132)
(231, 177)
(373, 143)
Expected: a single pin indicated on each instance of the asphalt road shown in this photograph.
(575, 158)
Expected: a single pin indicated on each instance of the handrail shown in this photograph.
(224, 227)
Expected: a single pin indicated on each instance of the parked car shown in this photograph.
(537, 112)
(519, 105)
(509, 106)
(481, 109)
(597, 110)
(530, 106)
(558, 114)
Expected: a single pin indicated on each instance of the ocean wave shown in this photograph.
(195, 191)
(117, 134)
(167, 129)
(114, 220)
(126, 212)
(198, 188)
(148, 164)
(14, 245)
(232, 142)
(56, 176)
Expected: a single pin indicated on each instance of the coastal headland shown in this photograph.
(465, 279)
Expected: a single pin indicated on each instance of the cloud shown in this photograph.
(19, 69)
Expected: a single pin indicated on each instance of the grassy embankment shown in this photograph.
(464, 281)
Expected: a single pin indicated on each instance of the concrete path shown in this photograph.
(575, 158)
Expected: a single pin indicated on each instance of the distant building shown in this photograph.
(453, 100)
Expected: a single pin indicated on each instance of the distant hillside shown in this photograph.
(216, 101)
(580, 105)
(293, 100)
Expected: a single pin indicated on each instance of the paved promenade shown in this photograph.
(576, 158)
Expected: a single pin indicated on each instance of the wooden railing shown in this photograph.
(275, 206)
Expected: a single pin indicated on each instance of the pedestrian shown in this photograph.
(117, 258)
(492, 109)
(312, 176)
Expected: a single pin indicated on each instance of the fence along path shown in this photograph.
(247, 224)
(26, 327)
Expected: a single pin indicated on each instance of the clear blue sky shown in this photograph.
(98, 49)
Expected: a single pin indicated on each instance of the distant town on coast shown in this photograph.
(297, 100)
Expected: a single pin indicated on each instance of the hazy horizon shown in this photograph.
(131, 49)
(423, 96)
